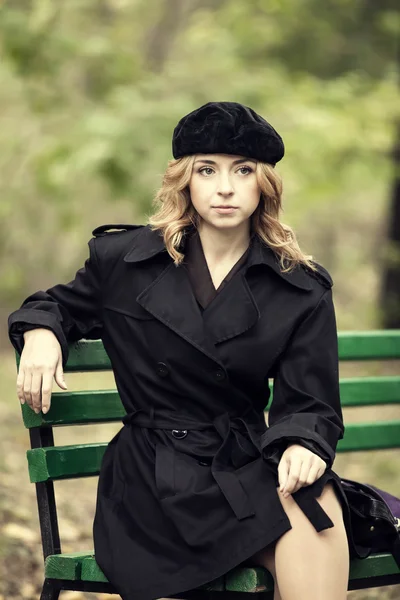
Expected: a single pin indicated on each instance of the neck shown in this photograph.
(224, 244)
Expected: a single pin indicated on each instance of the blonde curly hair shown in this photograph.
(174, 212)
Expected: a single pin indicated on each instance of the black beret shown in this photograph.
(227, 128)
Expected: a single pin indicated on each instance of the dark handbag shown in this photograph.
(375, 519)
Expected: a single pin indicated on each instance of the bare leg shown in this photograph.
(266, 558)
(305, 564)
(311, 565)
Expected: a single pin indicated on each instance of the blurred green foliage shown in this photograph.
(91, 90)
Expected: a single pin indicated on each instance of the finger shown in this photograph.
(27, 388)
(283, 471)
(293, 477)
(20, 385)
(304, 475)
(59, 375)
(36, 391)
(47, 382)
(315, 473)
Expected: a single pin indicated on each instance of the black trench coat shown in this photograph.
(188, 486)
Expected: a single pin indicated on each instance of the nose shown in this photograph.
(225, 187)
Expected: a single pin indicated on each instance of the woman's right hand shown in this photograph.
(41, 359)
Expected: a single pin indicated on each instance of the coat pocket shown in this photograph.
(178, 473)
(189, 496)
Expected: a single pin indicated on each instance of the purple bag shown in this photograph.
(375, 519)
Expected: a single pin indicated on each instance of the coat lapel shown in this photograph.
(170, 297)
(232, 312)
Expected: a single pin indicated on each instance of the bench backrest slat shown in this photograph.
(83, 460)
(90, 355)
(100, 406)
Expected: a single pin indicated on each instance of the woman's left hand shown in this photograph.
(298, 467)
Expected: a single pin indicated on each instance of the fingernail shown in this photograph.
(45, 409)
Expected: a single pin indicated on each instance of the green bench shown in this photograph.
(49, 463)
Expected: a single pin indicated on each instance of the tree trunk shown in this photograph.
(390, 290)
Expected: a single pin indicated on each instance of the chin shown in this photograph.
(224, 224)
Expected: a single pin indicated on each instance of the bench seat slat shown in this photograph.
(82, 566)
(84, 460)
(66, 566)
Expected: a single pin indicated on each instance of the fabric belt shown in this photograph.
(236, 448)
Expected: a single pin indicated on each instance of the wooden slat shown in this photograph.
(72, 408)
(375, 565)
(370, 391)
(65, 462)
(83, 460)
(82, 566)
(92, 572)
(101, 406)
(380, 435)
(65, 566)
(85, 355)
(90, 355)
(249, 580)
(369, 345)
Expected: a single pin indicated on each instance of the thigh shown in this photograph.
(329, 501)
(319, 561)
(265, 558)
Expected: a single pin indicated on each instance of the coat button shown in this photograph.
(179, 433)
(162, 369)
(219, 375)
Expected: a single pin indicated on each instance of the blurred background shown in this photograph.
(90, 92)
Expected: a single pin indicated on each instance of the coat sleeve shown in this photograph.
(306, 407)
(72, 311)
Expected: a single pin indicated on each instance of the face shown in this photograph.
(224, 189)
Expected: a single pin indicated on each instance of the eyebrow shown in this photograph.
(235, 162)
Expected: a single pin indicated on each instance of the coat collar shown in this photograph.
(148, 243)
(170, 298)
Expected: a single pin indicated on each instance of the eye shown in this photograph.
(205, 169)
(248, 168)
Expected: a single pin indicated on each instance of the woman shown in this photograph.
(197, 310)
